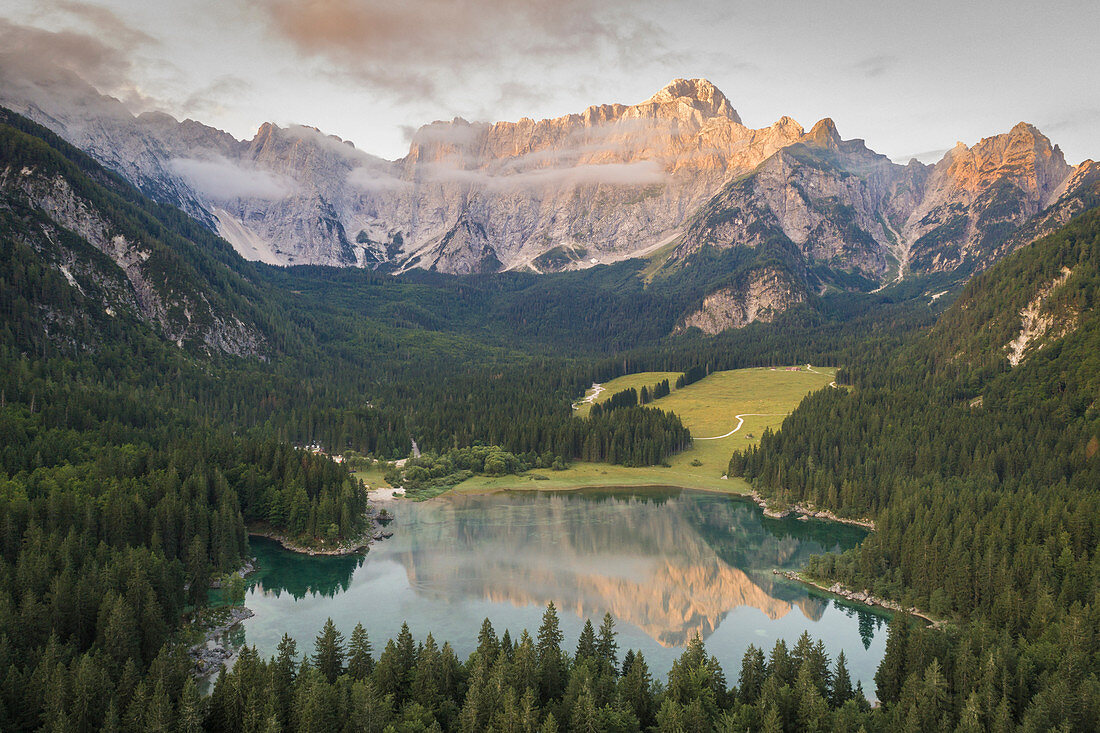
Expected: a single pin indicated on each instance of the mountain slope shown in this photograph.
(855, 220)
(613, 182)
(83, 249)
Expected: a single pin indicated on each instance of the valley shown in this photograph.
(708, 408)
(586, 338)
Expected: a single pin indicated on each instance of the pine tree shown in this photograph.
(586, 644)
(406, 660)
(891, 671)
(487, 645)
(606, 647)
(773, 721)
(752, 677)
(328, 651)
(842, 683)
(550, 657)
(190, 709)
(360, 661)
(637, 689)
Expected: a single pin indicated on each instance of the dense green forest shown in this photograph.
(131, 460)
(983, 480)
(531, 684)
(134, 453)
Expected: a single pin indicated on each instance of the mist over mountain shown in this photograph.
(671, 178)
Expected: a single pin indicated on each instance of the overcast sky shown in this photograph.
(909, 77)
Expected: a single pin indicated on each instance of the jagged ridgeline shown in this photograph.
(753, 222)
(977, 448)
(138, 439)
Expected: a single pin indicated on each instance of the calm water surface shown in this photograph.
(667, 564)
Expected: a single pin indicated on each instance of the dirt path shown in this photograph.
(741, 421)
(596, 388)
(811, 369)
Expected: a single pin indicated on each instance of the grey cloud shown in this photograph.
(373, 179)
(223, 180)
(873, 66)
(412, 46)
(102, 20)
(91, 59)
(213, 96)
(331, 143)
(1087, 117)
(926, 156)
(640, 173)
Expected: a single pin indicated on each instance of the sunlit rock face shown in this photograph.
(976, 196)
(612, 182)
(648, 563)
(760, 295)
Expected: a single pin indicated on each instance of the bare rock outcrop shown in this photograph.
(760, 296)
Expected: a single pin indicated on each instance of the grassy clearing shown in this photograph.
(709, 408)
(657, 260)
(372, 475)
(637, 381)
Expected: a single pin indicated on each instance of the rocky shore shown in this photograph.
(244, 571)
(347, 547)
(213, 651)
(864, 596)
(806, 512)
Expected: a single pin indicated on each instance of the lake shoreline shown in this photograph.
(352, 548)
(800, 511)
(489, 490)
(862, 598)
(808, 512)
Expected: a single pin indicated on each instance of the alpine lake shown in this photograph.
(667, 564)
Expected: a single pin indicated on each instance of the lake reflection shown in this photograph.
(666, 564)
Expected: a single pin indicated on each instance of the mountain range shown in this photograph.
(775, 214)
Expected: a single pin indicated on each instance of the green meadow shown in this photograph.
(709, 408)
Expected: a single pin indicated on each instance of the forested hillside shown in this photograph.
(984, 481)
(152, 395)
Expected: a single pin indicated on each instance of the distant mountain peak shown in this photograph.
(823, 134)
(700, 94)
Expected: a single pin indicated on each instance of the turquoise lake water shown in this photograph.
(667, 564)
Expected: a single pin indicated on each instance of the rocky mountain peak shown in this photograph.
(787, 127)
(1023, 155)
(823, 135)
(699, 94)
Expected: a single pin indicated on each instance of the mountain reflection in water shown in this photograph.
(671, 563)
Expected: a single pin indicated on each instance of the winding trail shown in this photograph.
(741, 421)
(811, 369)
(596, 388)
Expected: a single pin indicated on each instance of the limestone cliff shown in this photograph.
(976, 197)
(121, 271)
(759, 295)
(612, 182)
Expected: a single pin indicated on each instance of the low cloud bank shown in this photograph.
(224, 180)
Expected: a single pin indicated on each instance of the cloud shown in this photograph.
(213, 96)
(374, 180)
(99, 19)
(90, 58)
(925, 156)
(330, 143)
(411, 47)
(223, 180)
(1082, 118)
(873, 66)
(639, 173)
